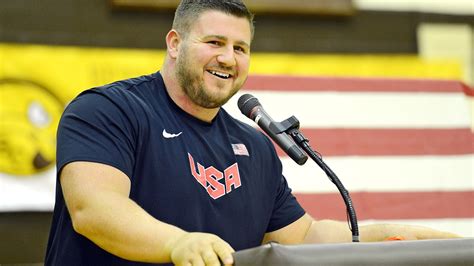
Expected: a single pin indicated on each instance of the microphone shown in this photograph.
(251, 107)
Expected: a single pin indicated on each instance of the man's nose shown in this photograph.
(227, 56)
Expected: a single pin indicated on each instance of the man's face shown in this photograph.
(213, 60)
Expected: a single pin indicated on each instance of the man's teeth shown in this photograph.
(219, 74)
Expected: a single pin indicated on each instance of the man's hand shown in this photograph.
(198, 249)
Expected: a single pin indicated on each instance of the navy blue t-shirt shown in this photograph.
(222, 177)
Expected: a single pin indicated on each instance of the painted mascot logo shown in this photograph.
(29, 116)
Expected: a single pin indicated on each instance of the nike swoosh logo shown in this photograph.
(167, 135)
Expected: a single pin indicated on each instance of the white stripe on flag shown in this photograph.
(363, 109)
(384, 173)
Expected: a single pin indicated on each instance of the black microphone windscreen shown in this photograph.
(246, 103)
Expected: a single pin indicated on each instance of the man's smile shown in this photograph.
(220, 74)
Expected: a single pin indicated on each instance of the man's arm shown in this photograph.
(97, 198)
(308, 230)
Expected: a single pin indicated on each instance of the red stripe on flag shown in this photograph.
(391, 205)
(299, 83)
(373, 142)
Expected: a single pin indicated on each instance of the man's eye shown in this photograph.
(214, 43)
(240, 49)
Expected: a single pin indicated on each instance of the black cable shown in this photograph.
(304, 144)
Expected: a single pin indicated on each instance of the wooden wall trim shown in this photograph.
(311, 7)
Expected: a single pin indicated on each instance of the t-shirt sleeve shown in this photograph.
(96, 128)
(286, 208)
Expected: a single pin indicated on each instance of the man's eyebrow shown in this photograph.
(224, 38)
(243, 44)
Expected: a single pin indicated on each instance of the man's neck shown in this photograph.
(182, 100)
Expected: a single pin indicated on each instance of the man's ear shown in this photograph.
(173, 39)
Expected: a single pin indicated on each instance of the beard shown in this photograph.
(194, 87)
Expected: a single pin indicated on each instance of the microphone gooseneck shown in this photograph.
(280, 133)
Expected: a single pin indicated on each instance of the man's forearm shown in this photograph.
(119, 226)
(328, 231)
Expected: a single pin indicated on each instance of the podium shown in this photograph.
(421, 252)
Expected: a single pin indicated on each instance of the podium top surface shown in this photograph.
(421, 252)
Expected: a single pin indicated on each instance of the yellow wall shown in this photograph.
(69, 70)
(29, 115)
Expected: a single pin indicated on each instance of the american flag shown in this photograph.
(403, 148)
(240, 149)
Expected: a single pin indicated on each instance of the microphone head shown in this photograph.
(246, 103)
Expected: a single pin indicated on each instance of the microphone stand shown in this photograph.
(291, 127)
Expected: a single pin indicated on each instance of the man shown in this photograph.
(151, 169)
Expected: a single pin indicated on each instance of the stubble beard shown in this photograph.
(194, 87)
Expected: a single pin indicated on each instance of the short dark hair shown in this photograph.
(189, 10)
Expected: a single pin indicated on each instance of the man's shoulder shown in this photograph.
(131, 84)
(238, 124)
(244, 130)
(124, 92)
(129, 97)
